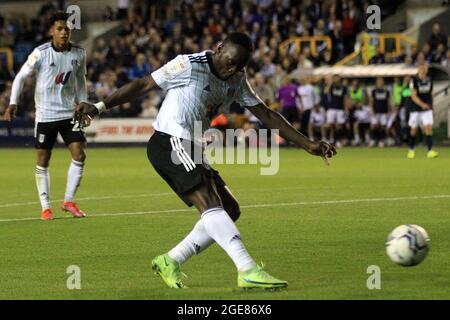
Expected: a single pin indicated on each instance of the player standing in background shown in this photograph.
(60, 69)
(422, 111)
(337, 109)
(379, 98)
(307, 100)
(316, 126)
(357, 99)
(195, 84)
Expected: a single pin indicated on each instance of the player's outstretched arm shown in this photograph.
(124, 94)
(274, 120)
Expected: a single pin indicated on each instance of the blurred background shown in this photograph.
(299, 45)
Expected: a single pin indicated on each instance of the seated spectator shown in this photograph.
(140, 68)
(428, 54)
(378, 58)
(326, 59)
(439, 54)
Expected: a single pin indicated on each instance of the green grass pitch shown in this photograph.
(317, 227)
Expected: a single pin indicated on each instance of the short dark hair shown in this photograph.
(57, 16)
(241, 39)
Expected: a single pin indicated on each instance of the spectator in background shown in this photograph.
(348, 32)
(276, 80)
(446, 61)
(108, 15)
(337, 40)
(268, 68)
(326, 59)
(47, 7)
(427, 53)
(5, 74)
(439, 54)
(263, 90)
(140, 68)
(316, 126)
(151, 105)
(378, 58)
(436, 37)
(307, 100)
(286, 95)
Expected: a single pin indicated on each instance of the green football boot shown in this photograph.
(169, 270)
(258, 278)
(432, 154)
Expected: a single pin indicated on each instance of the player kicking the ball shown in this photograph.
(196, 85)
(60, 69)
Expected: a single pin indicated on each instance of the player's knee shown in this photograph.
(80, 157)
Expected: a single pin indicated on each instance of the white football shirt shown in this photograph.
(196, 94)
(60, 81)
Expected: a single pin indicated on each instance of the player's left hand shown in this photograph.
(322, 149)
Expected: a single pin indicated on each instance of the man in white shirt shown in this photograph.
(308, 98)
(60, 69)
(198, 87)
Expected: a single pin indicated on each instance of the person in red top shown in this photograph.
(348, 32)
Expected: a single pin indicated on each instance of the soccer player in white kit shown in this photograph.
(60, 69)
(197, 86)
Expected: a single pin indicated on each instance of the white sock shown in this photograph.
(74, 176)
(43, 186)
(194, 243)
(222, 229)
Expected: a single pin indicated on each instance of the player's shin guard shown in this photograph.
(43, 186)
(222, 229)
(194, 243)
(74, 176)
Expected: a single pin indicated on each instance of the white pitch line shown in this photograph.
(17, 204)
(267, 205)
(143, 195)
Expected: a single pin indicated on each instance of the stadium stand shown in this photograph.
(289, 36)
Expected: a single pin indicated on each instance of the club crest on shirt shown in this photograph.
(74, 62)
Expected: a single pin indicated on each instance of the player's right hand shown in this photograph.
(10, 112)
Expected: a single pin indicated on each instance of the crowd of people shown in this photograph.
(145, 43)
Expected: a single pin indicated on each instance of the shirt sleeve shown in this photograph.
(32, 64)
(81, 79)
(175, 73)
(246, 96)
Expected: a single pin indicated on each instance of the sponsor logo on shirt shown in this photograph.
(62, 78)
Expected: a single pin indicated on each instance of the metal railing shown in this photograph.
(299, 41)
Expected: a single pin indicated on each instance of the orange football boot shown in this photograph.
(47, 214)
(73, 209)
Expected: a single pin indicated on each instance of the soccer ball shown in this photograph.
(408, 245)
